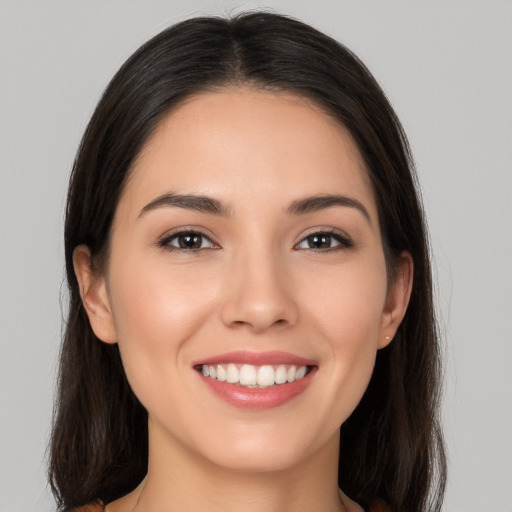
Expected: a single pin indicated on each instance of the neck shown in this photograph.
(179, 479)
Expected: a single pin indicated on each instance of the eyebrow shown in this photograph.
(209, 205)
(316, 203)
(203, 204)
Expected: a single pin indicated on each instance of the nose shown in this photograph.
(259, 294)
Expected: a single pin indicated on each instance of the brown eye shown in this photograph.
(320, 241)
(187, 240)
(324, 241)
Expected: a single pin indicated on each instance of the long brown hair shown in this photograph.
(391, 446)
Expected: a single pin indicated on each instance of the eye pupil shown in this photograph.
(190, 241)
(319, 241)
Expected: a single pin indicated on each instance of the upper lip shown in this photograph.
(256, 358)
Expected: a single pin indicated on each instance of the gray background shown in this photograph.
(447, 68)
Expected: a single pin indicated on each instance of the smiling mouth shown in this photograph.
(252, 376)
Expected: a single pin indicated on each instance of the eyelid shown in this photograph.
(345, 241)
(183, 230)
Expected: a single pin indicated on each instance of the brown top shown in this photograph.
(98, 507)
(376, 506)
(379, 506)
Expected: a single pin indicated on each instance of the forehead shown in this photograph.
(237, 140)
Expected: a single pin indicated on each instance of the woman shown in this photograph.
(251, 323)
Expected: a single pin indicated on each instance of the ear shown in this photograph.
(397, 299)
(93, 291)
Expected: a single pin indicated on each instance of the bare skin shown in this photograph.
(263, 275)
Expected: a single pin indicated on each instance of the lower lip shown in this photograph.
(258, 398)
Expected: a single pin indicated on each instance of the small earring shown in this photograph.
(387, 338)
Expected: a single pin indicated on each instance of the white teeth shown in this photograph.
(266, 376)
(301, 372)
(254, 376)
(248, 375)
(232, 374)
(221, 373)
(281, 374)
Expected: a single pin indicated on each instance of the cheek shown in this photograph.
(347, 313)
(155, 302)
(155, 314)
(348, 304)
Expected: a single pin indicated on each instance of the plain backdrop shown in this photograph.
(447, 69)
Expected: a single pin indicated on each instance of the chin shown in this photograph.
(267, 449)
(262, 460)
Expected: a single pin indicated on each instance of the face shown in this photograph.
(246, 283)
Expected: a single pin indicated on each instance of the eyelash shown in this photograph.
(165, 243)
(344, 242)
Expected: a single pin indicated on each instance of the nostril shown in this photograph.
(255, 324)
(239, 323)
